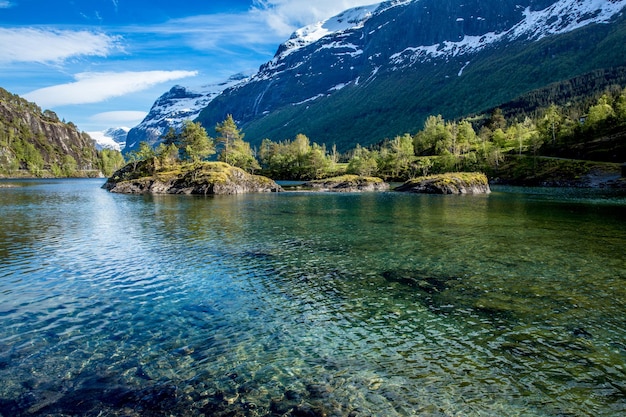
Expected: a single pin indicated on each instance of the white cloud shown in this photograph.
(5, 4)
(95, 87)
(119, 118)
(284, 16)
(49, 46)
(265, 25)
(217, 33)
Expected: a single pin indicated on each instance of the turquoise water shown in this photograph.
(511, 304)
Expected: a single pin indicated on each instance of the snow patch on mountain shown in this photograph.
(114, 138)
(351, 19)
(178, 105)
(561, 17)
(565, 16)
(186, 103)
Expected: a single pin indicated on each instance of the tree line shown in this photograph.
(478, 143)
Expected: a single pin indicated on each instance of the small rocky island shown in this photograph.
(348, 183)
(450, 183)
(204, 178)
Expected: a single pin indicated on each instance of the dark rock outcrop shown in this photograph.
(451, 183)
(205, 178)
(348, 183)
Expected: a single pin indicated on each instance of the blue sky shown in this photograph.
(103, 63)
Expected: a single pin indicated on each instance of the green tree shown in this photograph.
(599, 113)
(197, 145)
(316, 163)
(31, 157)
(498, 137)
(110, 161)
(69, 166)
(296, 160)
(433, 137)
(497, 120)
(551, 123)
(171, 138)
(363, 162)
(240, 155)
(144, 153)
(167, 154)
(277, 159)
(423, 164)
(228, 133)
(523, 133)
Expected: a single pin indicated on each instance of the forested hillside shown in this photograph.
(589, 129)
(36, 144)
(558, 144)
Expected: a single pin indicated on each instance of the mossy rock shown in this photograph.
(348, 183)
(205, 178)
(449, 183)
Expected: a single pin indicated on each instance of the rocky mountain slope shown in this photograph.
(378, 71)
(173, 108)
(113, 138)
(33, 142)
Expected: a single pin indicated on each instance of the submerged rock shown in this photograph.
(348, 183)
(450, 183)
(206, 178)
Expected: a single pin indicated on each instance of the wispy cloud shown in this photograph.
(119, 118)
(5, 4)
(216, 31)
(95, 87)
(284, 16)
(265, 25)
(52, 46)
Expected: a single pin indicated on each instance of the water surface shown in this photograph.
(380, 304)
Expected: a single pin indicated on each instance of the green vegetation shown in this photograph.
(440, 180)
(579, 63)
(531, 149)
(348, 179)
(37, 144)
(235, 151)
(297, 159)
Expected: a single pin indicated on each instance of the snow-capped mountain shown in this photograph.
(114, 138)
(376, 71)
(175, 107)
(561, 17)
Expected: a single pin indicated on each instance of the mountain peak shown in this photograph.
(350, 19)
(175, 107)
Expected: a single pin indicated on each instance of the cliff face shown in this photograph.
(36, 141)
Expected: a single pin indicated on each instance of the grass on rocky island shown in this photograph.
(469, 178)
(349, 179)
(213, 172)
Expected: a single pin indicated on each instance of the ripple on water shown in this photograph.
(370, 305)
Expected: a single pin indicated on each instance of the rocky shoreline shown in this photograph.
(204, 178)
(450, 183)
(348, 183)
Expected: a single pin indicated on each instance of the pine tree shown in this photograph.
(228, 133)
(195, 142)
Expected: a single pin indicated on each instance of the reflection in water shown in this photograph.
(310, 304)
